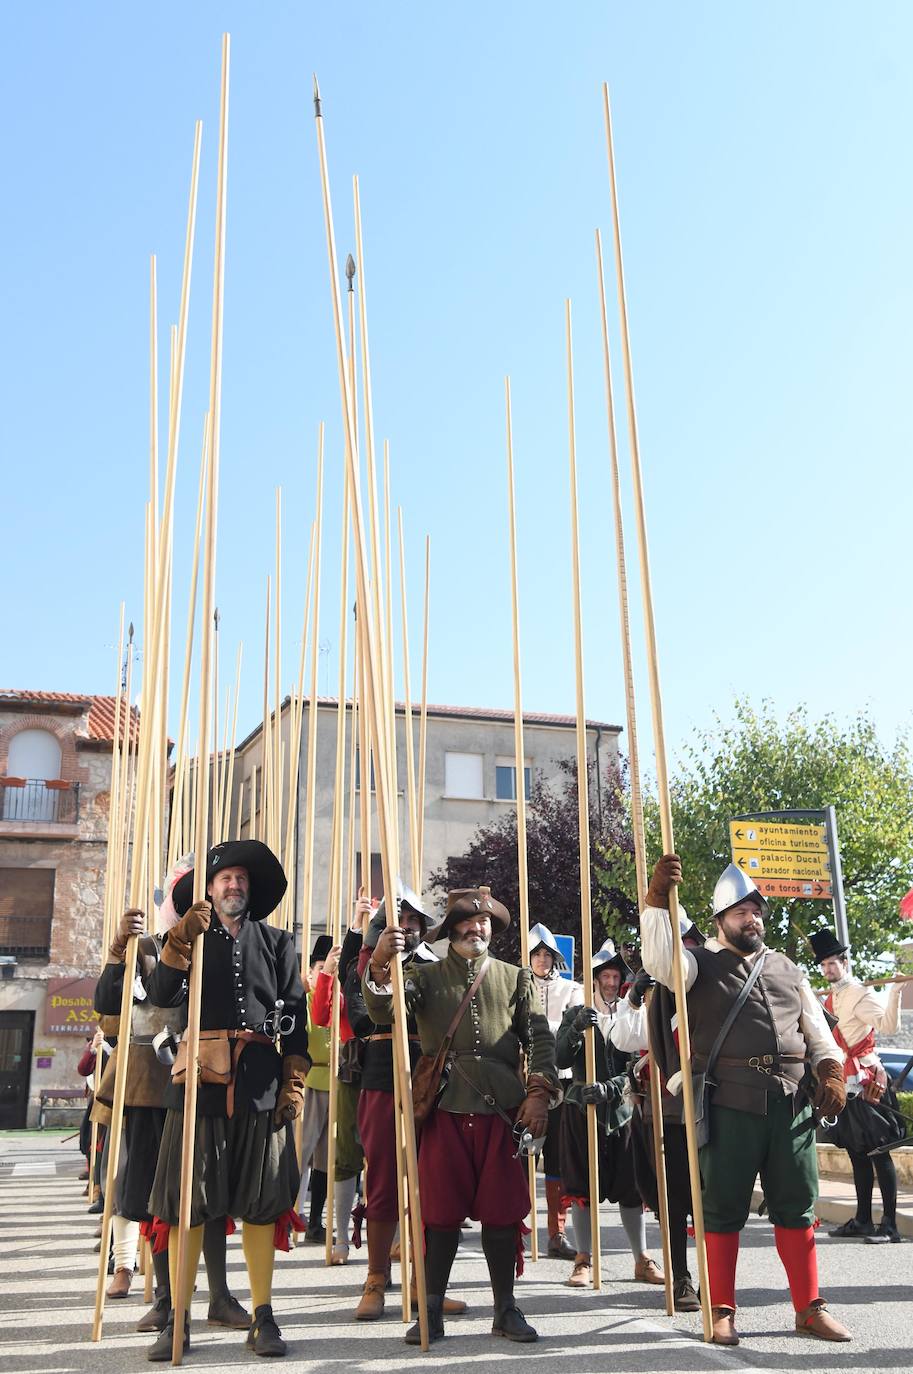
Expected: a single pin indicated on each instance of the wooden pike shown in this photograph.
(334, 907)
(296, 717)
(208, 603)
(411, 796)
(583, 812)
(266, 744)
(310, 815)
(637, 808)
(659, 744)
(374, 696)
(519, 768)
(275, 840)
(423, 714)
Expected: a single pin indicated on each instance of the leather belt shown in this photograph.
(762, 1063)
(388, 1035)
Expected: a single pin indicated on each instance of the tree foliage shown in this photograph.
(757, 764)
(553, 861)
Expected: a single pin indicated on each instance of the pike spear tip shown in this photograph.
(350, 271)
(317, 111)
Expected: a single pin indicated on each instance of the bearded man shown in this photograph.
(758, 1122)
(468, 1164)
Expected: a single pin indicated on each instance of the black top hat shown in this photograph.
(322, 946)
(267, 880)
(826, 945)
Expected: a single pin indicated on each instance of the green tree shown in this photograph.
(758, 764)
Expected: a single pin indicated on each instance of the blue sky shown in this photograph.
(763, 154)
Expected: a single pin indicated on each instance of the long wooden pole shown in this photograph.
(423, 718)
(637, 808)
(519, 768)
(659, 745)
(583, 813)
(290, 852)
(276, 828)
(310, 815)
(208, 604)
(266, 745)
(334, 905)
(386, 803)
(412, 799)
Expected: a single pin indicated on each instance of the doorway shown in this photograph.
(16, 1030)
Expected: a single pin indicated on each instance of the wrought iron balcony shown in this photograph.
(36, 801)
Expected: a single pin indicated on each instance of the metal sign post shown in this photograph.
(833, 848)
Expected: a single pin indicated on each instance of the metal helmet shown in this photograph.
(541, 935)
(734, 886)
(405, 897)
(608, 957)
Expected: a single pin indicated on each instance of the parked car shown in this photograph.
(898, 1062)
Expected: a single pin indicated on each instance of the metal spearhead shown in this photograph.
(350, 271)
(317, 110)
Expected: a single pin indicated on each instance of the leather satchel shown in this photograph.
(214, 1059)
(702, 1083)
(429, 1077)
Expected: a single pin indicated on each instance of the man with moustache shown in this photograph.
(253, 1062)
(468, 1158)
(757, 1121)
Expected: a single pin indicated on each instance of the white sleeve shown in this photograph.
(656, 948)
(813, 1024)
(879, 1012)
(629, 1033)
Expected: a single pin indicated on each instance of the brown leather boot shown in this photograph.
(647, 1270)
(453, 1307)
(371, 1306)
(816, 1321)
(119, 1286)
(724, 1332)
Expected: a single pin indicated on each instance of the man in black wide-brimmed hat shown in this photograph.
(253, 1062)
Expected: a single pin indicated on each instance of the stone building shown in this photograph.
(470, 780)
(55, 775)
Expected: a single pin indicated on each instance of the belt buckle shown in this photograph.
(760, 1062)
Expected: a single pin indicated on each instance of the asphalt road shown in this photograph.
(47, 1284)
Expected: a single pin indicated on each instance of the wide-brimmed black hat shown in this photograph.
(473, 901)
(322, 946)
(826, 945)
(267, 880)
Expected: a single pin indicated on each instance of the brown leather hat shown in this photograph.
(473, 901)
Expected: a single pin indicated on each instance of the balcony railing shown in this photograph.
(36, 801)
(27, 936)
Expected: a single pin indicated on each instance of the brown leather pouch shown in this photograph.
(215, 1059)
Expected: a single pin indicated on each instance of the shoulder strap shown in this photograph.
(461, 1010)
(734, 1010)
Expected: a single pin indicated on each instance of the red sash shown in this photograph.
(852, 1068)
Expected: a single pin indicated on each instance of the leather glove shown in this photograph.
(876, 1087)
(290, 1100)
(666, 874)
(133, 922)
(533, 1110)
(179, 945)
(594, 1093)
(585, 1019)
(830, 1097)
(639, 988)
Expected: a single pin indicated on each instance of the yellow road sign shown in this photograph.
(780, 836)
(767, 863)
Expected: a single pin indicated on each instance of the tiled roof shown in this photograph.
(101, 710)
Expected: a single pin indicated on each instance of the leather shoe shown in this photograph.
(853, 1230)
(724, 1332)
(160, 1350)
(560, 1248)
(119, 1286)
(156, 1318)
(264, 1336)
(227, 1311)
(816, 1321)
(96, 1208)
(435, 1323)
(647, 1270)
(371, 1306)
(453, 1307)
(885, 1232)
(581, 1275)
(684, 1296)
(510, 1322)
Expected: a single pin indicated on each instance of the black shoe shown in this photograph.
(560, 1248)
(510, 1322)
(435, 1323)
(160, 1349)
(96, 1208)
(264, 1336)
(685, 1298)
(885, 1232)
(853, 1230)
(156, 1319)
(227, 1311)
(316, 1234)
